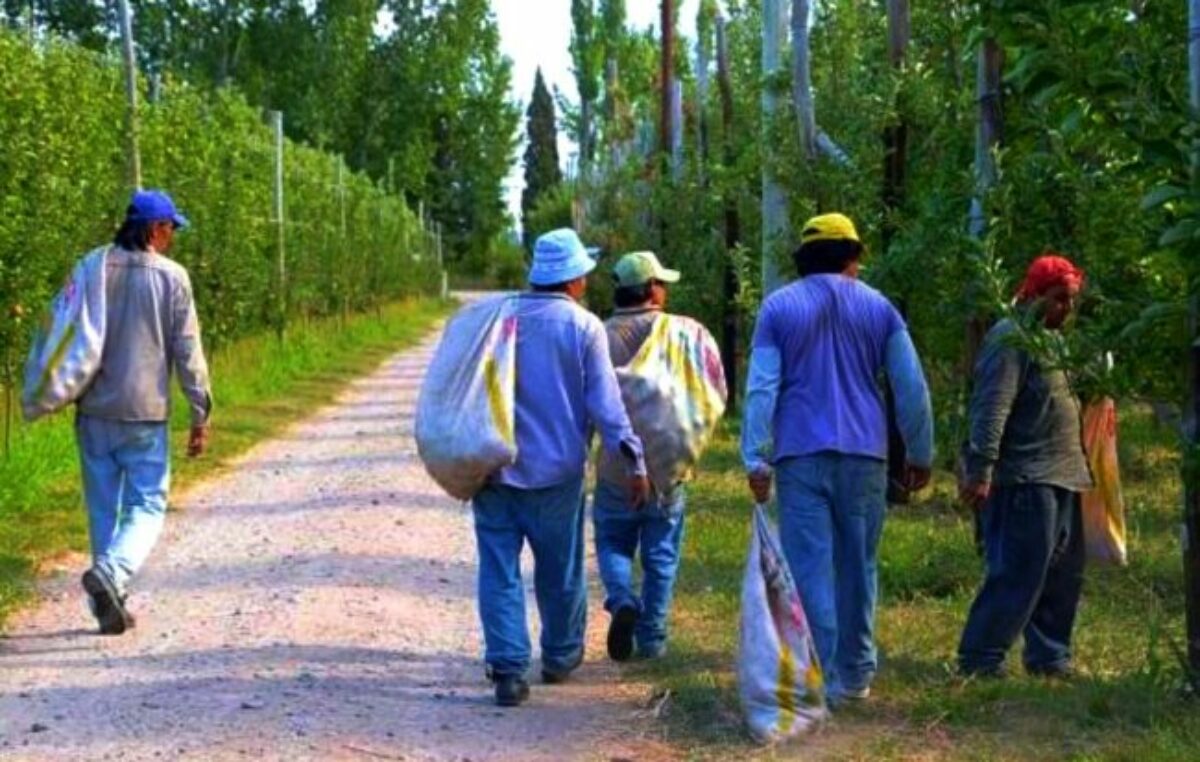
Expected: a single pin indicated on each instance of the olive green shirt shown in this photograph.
(1025, 420)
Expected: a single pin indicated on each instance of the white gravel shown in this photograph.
(314, 602)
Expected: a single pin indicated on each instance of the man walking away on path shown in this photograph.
(1025, 470)
(819, 347)
(621, 528)
(565, 386)
(121, 422)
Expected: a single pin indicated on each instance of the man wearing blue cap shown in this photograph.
(565, 387)
(121, 422)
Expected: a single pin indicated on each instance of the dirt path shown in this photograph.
(316, 602)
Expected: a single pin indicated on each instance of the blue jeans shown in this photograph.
(551, 520)
(1033, 544)
(831, 510)
(657, 530)
(126, 477)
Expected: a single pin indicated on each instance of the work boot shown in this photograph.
(620, 633)
(107, 603)
(511, 690)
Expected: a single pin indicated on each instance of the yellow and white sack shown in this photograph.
(780, 683)
(465, 427)
(674, 392)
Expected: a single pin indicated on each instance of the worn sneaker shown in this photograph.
(857, 694)
(511, 690)
(557, 676)
(107, 604)
(620, 633)
(1053, 672)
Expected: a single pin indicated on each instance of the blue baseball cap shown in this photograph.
(559, 256)
(148, 206)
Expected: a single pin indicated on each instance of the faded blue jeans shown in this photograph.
(655, 532)
(1033, 538)
(126, 477)
(831, 510)
(551, 521)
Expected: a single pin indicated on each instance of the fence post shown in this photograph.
(277, 126)
(131, 108)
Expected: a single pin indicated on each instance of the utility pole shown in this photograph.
(667, 82)
(731, 331)
(133, 157)
(774, 201)
(281, 273)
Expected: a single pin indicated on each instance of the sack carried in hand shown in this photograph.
(779, 676)
(66, 351)
(674, 393)
(1104, 505)
(465, 428)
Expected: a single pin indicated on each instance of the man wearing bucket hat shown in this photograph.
(565, 387)
(656, 529)
(151, 332)
(815, 422)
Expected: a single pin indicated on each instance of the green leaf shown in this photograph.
(1184, 230)
(1161, 195)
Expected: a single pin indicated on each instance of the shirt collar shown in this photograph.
(637, 310)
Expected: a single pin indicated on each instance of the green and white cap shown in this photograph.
(641, 267)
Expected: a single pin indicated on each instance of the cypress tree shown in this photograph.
(541, 152)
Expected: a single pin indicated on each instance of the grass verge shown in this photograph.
(260, 385)
(1126, 705)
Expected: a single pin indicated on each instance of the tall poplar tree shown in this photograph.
(541, 151)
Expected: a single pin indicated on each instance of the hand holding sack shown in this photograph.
(465, 427)
(1104, 505)
(674, 393)
(780, 683)
(66, 351)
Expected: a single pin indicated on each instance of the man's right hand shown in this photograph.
(639, 491)
(760, 484)
(974, 494)
(197, 441)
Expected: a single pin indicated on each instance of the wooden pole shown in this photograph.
(774, 202)
(668, 78)
(1191, 517)
(802, 79)
(731, 334)
(134, 157)
(988, 137)
(281, 274)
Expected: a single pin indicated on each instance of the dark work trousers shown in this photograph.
(1034, 551)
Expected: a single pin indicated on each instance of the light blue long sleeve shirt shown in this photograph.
(566, 387)
(811, 386)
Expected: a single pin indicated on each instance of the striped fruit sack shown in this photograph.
(779, 676)
(67, 348)
(674, 392)
(465, 428)
(1103, 506)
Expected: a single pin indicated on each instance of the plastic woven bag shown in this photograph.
(465, 428)
(1103, 505)
(779, 676)
(67, 348)
(674, 392)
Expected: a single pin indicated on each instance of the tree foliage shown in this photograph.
(542, 172)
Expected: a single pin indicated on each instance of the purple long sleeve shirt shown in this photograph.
(566, 387)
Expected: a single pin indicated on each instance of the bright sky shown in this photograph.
(537, 33)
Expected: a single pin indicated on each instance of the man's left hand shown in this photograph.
(916, 478)
(197, 441)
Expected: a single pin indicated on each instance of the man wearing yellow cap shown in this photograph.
(654, 530)
(815, 422)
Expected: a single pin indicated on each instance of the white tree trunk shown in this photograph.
(988, 134)
(774, 202)
(802, 78)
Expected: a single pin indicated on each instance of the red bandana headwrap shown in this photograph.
(1046, 272)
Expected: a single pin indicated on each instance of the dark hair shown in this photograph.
(820, 257)
(553, 288)
(133, 236)
(632, 296)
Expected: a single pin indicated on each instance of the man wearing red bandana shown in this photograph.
(1024, 471)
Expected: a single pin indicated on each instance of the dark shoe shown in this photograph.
(983, 673)
(620, 633)
(108, 604)
(511, 690)
(559, 676)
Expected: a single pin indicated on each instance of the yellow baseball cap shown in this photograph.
(641, 267)
(829, 227)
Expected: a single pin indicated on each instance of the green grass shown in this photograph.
(1127, 705)
(260, 385)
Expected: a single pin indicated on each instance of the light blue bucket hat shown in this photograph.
(559, 256)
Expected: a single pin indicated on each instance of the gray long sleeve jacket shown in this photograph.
(1025, 425)
(152, 330)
